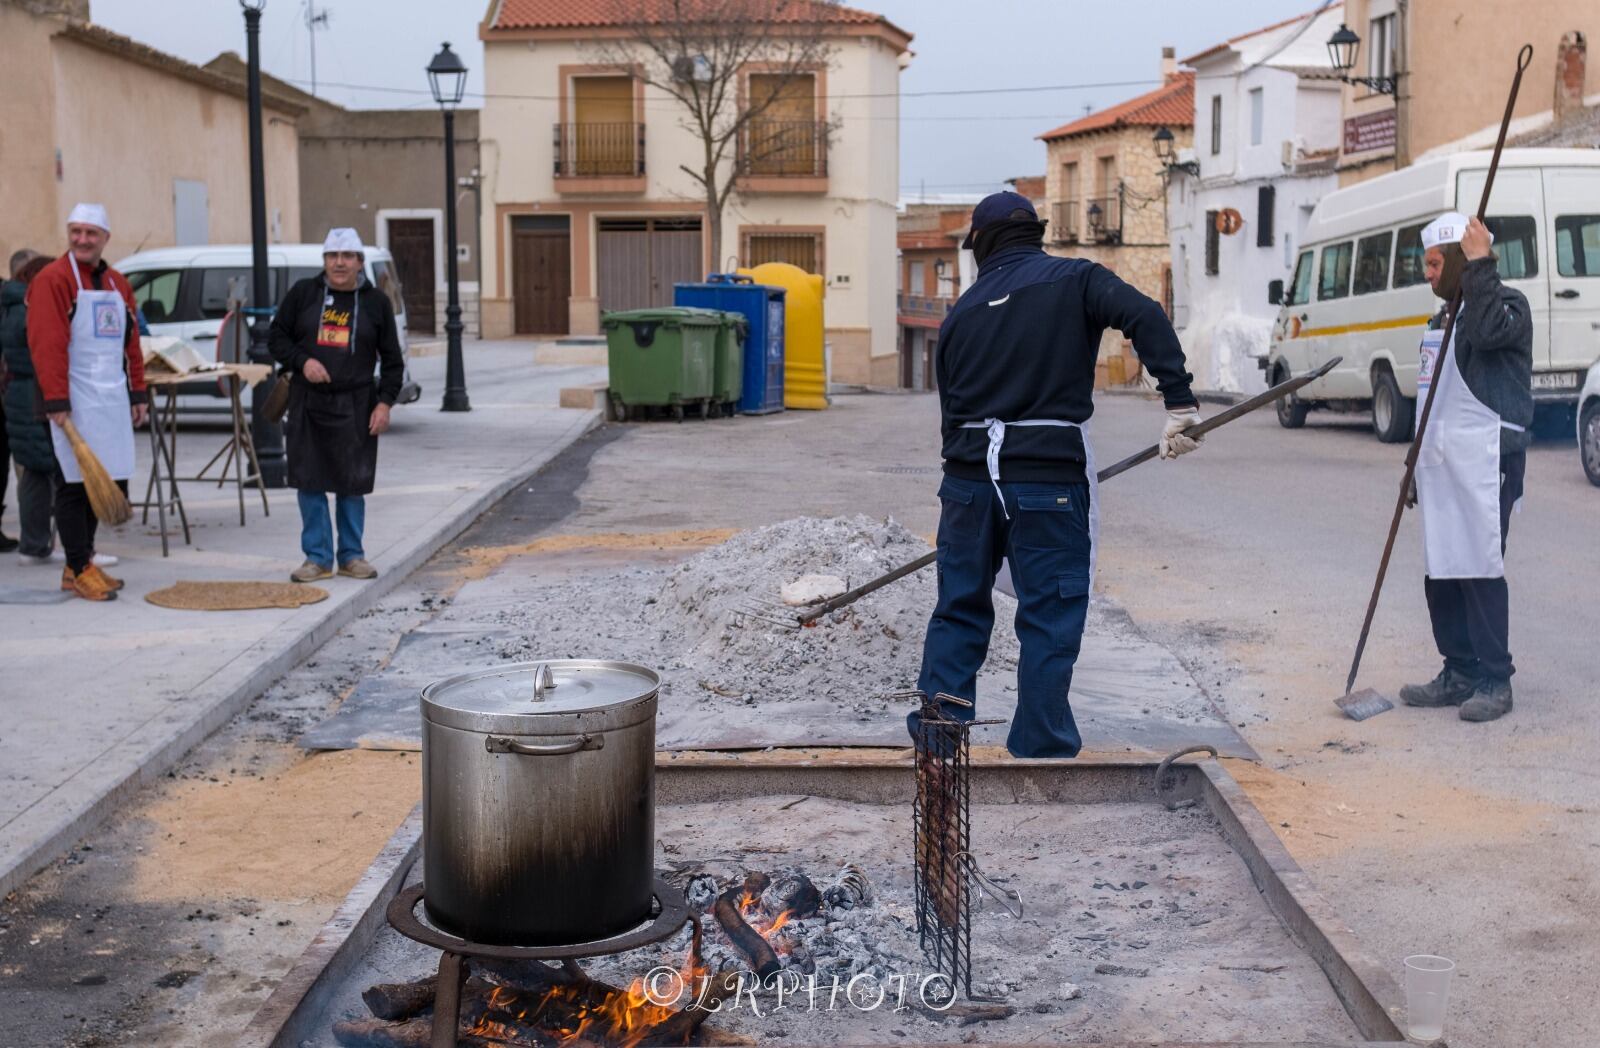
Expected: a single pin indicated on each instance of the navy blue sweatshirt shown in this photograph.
(1021, 343)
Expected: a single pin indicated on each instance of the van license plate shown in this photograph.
(1556, 379)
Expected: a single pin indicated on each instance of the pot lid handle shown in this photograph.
(543, 680)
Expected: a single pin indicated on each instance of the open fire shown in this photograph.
(745, 933)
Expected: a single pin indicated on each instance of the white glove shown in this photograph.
(1173, 442)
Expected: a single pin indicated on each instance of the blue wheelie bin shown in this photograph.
(762, 307)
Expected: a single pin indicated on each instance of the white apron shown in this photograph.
(997, 440)
(1458, 472)
(97, 384)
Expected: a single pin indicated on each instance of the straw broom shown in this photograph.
(110, 505)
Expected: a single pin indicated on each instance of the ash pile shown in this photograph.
(685, 618)
(765, 923)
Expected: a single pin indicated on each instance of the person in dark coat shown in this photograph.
(24, 439)
(1015, 364)
(331, 333)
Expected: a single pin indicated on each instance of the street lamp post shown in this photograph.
(447, 76)
(266, 435)
(1167, 152)
(1343, 48)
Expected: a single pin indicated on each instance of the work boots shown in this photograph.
(1449, 688)
(1490, 702)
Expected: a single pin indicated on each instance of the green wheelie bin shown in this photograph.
(661, 358)
(727, 374)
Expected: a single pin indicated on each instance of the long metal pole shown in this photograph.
(1199, 429)
(1523, 58)
(267, 435)
(455, 381)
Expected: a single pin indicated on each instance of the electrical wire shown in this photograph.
(1024, 89)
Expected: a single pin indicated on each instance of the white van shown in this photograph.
(1359, 292)
(185, 291)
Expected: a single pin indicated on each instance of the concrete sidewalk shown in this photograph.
(98, 698)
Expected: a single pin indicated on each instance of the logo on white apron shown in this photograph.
(108, 319)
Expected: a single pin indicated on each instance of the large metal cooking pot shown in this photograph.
(538, 801)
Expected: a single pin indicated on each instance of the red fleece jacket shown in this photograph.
(52, 297)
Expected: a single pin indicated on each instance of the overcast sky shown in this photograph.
(948, 143)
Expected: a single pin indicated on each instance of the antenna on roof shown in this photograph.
(314, 20)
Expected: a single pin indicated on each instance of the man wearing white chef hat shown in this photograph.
(1470, 466)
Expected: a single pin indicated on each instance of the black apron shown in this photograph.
(326, 433)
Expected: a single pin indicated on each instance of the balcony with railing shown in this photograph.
(783, 156)
(921, 307)
(1065, 218)
(1103, 219)
(599, 157)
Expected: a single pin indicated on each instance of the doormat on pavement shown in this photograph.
(236, 596)
(29, 595)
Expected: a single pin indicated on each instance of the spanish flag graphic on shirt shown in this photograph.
(334, 331)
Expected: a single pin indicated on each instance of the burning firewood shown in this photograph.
(399, 1000)
(544, 1012)
(792, 893)
(749, 942)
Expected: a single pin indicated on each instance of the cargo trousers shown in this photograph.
(1043, 530)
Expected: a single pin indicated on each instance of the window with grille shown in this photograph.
(797, 249)
(1216, 124)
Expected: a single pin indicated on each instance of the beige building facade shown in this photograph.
(87, 114)
(1453, 61)
(1105, 186)
(587, 208)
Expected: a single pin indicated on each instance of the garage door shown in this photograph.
(640, 259)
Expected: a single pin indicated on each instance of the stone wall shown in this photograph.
(1142, 258)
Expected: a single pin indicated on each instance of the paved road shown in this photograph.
(1253, 560)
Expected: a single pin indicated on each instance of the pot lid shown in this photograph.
(551, 693)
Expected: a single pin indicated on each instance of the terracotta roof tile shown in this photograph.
(1171, 104)
(593, 14)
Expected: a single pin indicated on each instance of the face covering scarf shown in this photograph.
(1012, 232)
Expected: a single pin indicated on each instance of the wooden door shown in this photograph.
(411, 243)
(541, 280)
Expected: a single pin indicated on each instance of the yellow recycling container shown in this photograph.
(805, 378)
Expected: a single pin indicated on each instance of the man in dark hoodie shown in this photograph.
(1470, 466)
(1015, 366)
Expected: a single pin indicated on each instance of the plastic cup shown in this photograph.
(1427, 995)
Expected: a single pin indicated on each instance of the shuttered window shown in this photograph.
(797, 249)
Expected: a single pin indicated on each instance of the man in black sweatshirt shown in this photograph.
(1015, 363)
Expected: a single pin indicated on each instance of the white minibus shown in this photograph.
(1359, 293)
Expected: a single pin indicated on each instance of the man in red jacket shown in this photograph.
(83, 336)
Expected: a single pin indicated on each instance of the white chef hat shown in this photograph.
(90, 215)
(343, 239)
(1448, 228)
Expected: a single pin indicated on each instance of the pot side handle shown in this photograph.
(503, 744)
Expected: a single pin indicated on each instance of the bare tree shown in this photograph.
(702, 54)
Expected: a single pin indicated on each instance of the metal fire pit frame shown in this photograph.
(672, 914)
(299, 1008)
